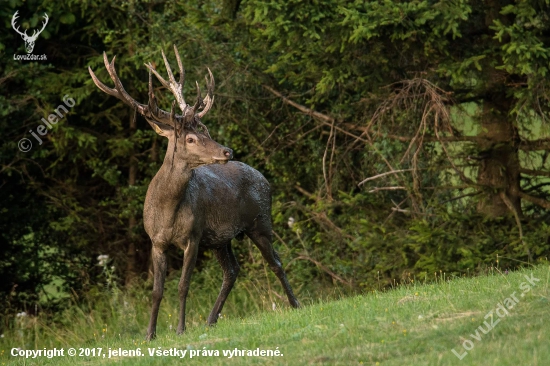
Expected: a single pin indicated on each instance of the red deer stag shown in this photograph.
(198, 197)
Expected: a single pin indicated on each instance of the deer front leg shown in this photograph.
(159, 268)
(189, 259)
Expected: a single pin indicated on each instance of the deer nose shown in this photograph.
(228, 153)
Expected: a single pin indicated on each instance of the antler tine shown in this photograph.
(155, 112)
(175, 88)
(199, 102)
(160, 78)
(151, 94)
(168, 68)
(104, 88)
(118, 84)
(152, 102)
(180, 65)
(209, 100)
(172, 85)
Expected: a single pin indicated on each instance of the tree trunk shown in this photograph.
(499, 170)
(230, 8)
(131, 260)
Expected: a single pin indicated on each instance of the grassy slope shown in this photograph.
(411, 325)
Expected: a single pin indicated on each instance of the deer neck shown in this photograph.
(171, 181)
(168, 188)
(166, 197)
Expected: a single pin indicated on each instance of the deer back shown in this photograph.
(225, 201)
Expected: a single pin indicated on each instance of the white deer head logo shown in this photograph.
(29, 41)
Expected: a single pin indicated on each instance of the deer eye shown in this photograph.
(190, 140)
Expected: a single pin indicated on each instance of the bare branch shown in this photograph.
(383, 175)
(376, 189)
(410, 212)
(328, 176)
(7, 76)
(534, 172)
(326, 120)
(301, 108)
(514, 211)
(305, 193)
(462, 196)
(537, 201)
(396, 209)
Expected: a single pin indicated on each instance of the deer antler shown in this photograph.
(34, 34)
(175, 87)
(209, 100)
(24, 34)
(13, 19)
(151, 111)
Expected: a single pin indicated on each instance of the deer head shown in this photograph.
(29, 40)
(188, 137)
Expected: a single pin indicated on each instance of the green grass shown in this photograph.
(414, 324)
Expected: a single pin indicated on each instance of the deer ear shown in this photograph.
(161, 128)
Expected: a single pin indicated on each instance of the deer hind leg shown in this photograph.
(230, 268)
(189, 260)
(159, 267)
(262, 239)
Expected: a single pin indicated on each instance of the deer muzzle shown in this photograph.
(227, 155)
